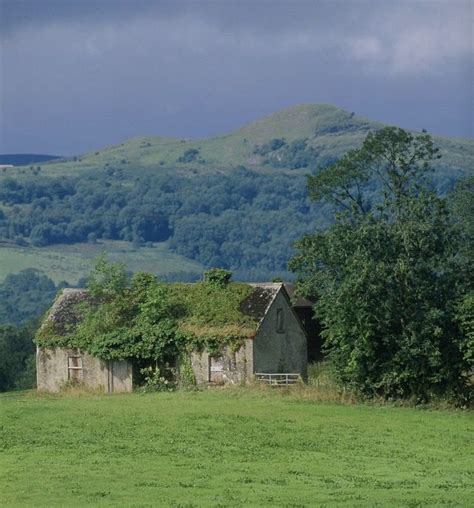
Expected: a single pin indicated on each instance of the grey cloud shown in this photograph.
(78, 75)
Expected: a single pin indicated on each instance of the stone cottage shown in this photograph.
(278, 344)
(59, 366)
(275, 342)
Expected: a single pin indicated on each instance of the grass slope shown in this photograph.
(330, 130)
(71, 262)
(229, 448)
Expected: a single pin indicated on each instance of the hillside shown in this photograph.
(327, 130)
(237, 200)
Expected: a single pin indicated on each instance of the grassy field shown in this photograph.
(71, 262)
(232, 447)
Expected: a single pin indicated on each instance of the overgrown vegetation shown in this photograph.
(152, 323)
(388, 277)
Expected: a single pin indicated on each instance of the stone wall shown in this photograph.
(280, 344)
(53, 372)
(229, 367)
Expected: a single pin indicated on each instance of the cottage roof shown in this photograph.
(65, 312)
(234, 310)
(259, 300)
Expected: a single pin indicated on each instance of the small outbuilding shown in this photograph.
(58, 367)
(271, 339)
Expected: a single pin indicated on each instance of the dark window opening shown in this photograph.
(280, 323)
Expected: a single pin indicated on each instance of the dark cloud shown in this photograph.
(78, 75)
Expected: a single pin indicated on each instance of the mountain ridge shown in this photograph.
(321, 132)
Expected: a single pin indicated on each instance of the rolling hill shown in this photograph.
(237, 200)
(327, 130)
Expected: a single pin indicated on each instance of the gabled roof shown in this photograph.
(65, 313)
(260, 299)
(235, 310)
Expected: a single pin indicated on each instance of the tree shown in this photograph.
(17, 368)
(385, 275)
(24, 296)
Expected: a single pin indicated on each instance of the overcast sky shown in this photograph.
(80, 74)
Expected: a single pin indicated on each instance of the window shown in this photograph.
(74, 367)
(216, 369)
(279, 322)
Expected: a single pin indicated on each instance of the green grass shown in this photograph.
(71, 262)
(232, 447)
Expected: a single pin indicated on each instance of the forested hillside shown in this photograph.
(236, 201)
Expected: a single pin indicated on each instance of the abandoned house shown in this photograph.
(276, 342)
(56, 367)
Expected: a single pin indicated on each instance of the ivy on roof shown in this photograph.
(204, 309)
(147, 319)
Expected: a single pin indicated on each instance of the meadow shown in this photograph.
(71, 262)
(230, 447)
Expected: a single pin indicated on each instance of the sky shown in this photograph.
(79, 75)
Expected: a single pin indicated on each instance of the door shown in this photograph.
(216, 369)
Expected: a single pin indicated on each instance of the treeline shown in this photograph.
(24, 298)
(238, 220)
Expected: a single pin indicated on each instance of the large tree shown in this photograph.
(387, 275)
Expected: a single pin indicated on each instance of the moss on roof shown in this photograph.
(233, 311)
(207, 310)
(66, 311)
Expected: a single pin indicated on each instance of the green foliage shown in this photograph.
(462, 205)
(17, 358)
(465, 316)
(107, 279)
(121, 321)
(189, 155)
(295, 155)
(134, 322)
(25, 296)
(186, 378)
(158, 380)
(386, 275)
(149, 321)
(238, 210)
(217, 277)
(211, 313)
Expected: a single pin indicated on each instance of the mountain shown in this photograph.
(326, 131)
(23, 159)
(236, 200)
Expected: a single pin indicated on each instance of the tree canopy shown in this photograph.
(387, 276)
